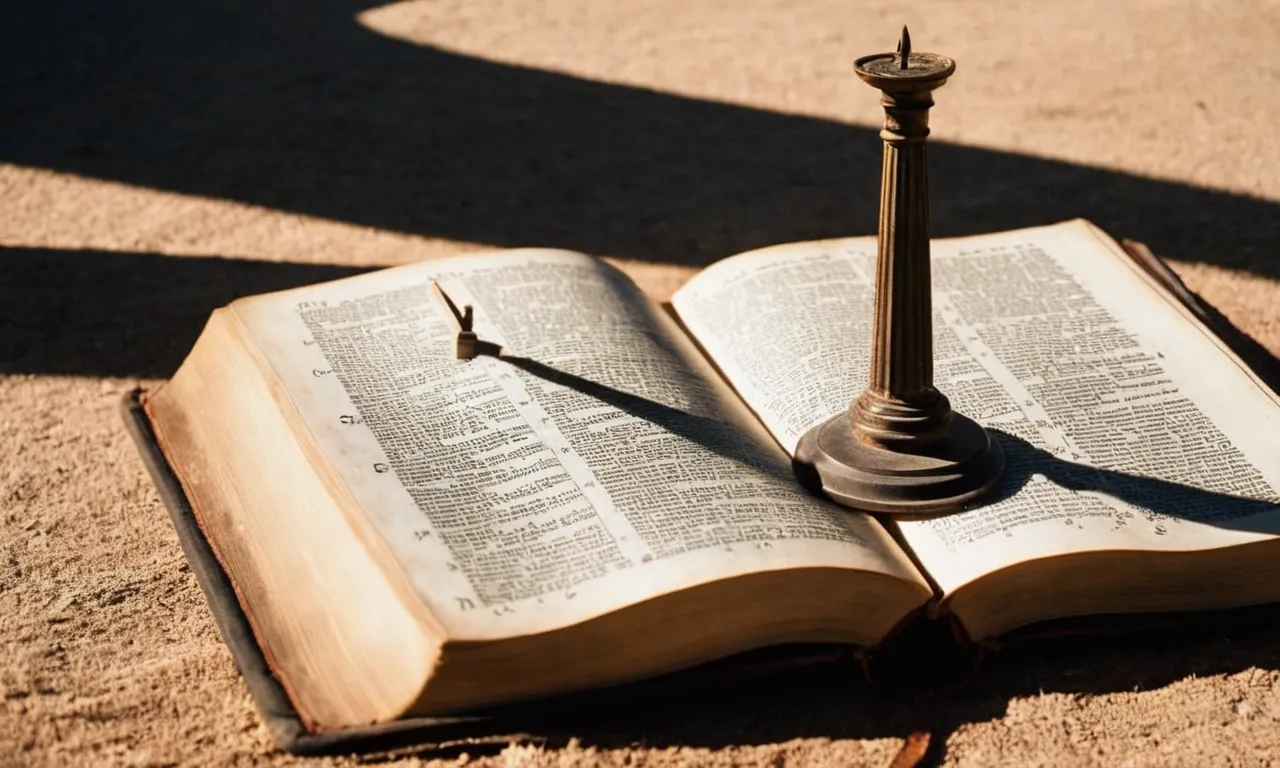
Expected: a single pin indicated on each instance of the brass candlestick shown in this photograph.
(899, 448)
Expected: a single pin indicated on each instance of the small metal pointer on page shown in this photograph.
(466, 343)
(899, 448)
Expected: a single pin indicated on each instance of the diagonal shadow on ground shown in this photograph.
(296, 106)
(104, 313)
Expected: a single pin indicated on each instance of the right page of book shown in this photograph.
(1125, 425)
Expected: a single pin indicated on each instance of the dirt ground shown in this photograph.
(158, 159)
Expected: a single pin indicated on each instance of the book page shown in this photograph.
(596, 463)
(1124, 424)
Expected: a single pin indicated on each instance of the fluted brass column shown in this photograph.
(899, 448)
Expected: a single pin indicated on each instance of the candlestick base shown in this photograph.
(952, 468)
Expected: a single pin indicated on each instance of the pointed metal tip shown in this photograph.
(904, 47)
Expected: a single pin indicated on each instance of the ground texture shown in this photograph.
(159, 159)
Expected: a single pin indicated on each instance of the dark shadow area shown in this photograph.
(104, 313)
(757, 698)
(298, 107)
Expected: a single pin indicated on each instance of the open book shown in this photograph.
(611, 497)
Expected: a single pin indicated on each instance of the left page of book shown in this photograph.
(597, 463)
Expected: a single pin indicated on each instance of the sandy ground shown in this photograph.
(158, 159)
